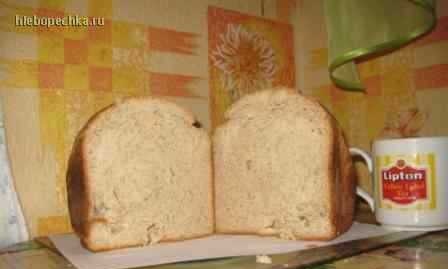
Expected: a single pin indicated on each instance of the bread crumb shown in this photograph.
(263, 259)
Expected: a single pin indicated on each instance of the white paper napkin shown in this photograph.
(216, 246)
(12, 223)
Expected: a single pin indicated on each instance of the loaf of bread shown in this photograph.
(282, 168)
(140, 173)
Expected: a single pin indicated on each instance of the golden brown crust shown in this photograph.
(341, 181)
(212, 166)
(342, 188)
(78, 195)
(333, 180)
(348, 184)
(77, 190)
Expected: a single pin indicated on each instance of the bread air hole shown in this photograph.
(153, 234)
(197, 124)
(248, 164)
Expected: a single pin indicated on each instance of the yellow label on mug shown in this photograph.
(406, 182)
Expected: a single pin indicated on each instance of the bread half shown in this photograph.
(140, 173)
(282, 168)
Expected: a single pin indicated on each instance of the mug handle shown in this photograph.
(362, 193)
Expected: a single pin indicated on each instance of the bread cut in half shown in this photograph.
(282, 168)
(140, 173)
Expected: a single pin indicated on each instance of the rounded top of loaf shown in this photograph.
(269, 100)
(142, 104)
(153, 104)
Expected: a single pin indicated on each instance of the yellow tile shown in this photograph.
(52, 117)
(322, 94)
(100, 8)
(319, 58)
(100, 54)
(76, 77)
(376, 116)
(356, 112)
(18, 74)
(370, 68)
(78, 109)
(77, 33)
(52, 4)
(53, 128)
(12, 15)
(50, 49)
(128, 80)
(53, 225)
(128, 35)
(402, 58)
(397, 81)
(101, 99)
(342, 115)
(78, 7)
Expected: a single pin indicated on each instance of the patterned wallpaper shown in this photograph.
(407, 90)
(195, 53)
(52, 79)
(246, 54)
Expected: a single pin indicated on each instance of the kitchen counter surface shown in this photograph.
(426, 251)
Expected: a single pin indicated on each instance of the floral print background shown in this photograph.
(247, 61)
(246, 54)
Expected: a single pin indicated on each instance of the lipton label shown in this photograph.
(406, 181)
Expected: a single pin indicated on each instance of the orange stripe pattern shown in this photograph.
(167, 40)
(284, 9)
(171, 84)
(434, 76)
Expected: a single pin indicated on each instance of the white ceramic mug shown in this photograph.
(410, 181)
